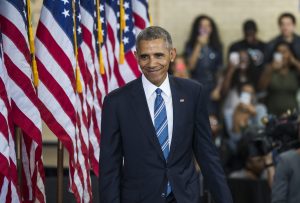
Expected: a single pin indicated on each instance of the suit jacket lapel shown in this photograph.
(177, 111)
(140, 107)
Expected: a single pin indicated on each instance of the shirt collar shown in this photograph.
(150, 88)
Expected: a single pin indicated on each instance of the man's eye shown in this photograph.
(143, 57)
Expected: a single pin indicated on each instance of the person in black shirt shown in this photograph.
(252, 44)
(287, 26)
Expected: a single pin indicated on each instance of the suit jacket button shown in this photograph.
(163, 195)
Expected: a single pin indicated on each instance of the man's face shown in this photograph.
(250, 36)
(287, 27)
(154, 58)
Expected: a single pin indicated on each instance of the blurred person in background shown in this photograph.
(246, 112)
(203, 53)
(252, 44)
(285, 188)
(287, 26)
(280, 79)
(239, 71)
(178, 68)
(240, 107)
(251, 159)
(255, 159)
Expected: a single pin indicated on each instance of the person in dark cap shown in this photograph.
(252, 44)
(251, 155)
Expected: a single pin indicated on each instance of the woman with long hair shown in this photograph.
(203, 55)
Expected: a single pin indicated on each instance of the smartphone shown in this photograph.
(245, 98)
(277, 57)
(234, 58)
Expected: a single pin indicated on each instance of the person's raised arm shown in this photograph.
(296, 63)
(228, 79)
(196, 52)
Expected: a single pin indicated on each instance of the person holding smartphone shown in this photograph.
(239, 71)
(203, 54)
(281, 80)
(287, 26)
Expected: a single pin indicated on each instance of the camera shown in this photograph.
(281, 134)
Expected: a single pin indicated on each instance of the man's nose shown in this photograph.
(152, 62)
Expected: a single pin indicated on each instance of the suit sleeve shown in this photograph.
(281, 182)
(110, 154)
(207, 155)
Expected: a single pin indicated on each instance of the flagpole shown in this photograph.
(77, 71)
(60, 171)
(150, 16)
(19, 157)
(100, 39)
(122, 27)
(31, 46)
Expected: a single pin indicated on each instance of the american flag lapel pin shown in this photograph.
(181, 100)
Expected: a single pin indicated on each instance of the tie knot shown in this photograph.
(158, 91)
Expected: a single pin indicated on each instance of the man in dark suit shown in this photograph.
(152, 128)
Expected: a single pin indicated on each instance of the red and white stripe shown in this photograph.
(141, 15)
(8, 169)
(96, 86)
(23, 100)
(121, 73)
(63, 110)
(56, 90)
(82, 127)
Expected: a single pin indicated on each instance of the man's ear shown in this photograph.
(173, 53)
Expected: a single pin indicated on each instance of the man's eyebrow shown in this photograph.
(143, 54)
(156, 54)
(159, 53)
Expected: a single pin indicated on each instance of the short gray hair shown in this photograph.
(152, 33)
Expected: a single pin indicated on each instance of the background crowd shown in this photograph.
(254, 80)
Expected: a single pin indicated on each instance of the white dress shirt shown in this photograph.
(150, 93)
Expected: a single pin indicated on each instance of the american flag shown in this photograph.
(141, 14)
(83, 109)
(121, 73)
(8, 168)
(25, 113)
(94, 82)
(75, 117)
(63, 108)
(103, 79)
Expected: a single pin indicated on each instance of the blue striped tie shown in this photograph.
(161, 127)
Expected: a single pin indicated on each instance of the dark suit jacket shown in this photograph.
(132, 165)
